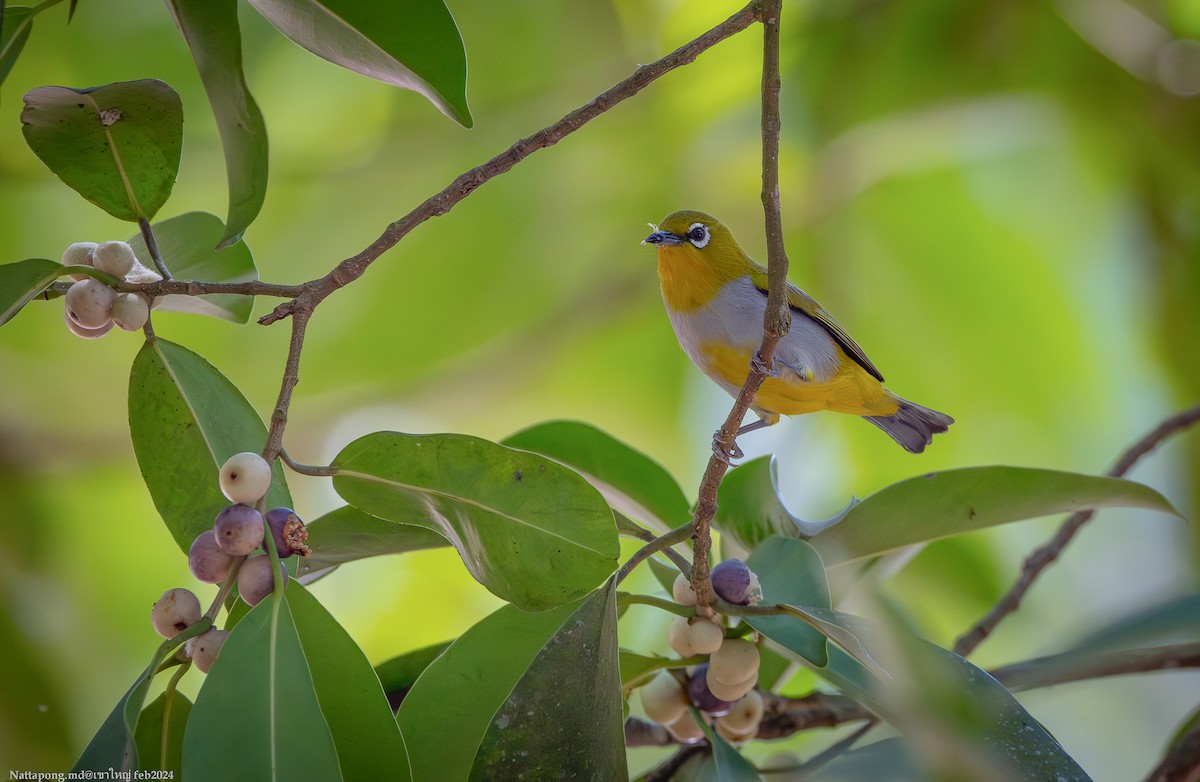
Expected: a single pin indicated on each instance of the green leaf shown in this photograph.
(160, 733)
(541, 687)
(530, 530)
(188, 244)
(729, 763)
(1174, 620)
(365, 734)
(633, 483)
(259, 706)
(948, 503)
(790, 572)
(21, 281)
(750, 510)
(117, 145)
(400, 673)
(414, 45)
(346, 534)
(210, 28)
(16, 22)
(636, 667)
(185, 420)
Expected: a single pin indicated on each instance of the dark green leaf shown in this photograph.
(564, 717)
(790, 572)
(111, 747)
(188, 247)
(160, 733)
(633, 483)
(365, 734)
(530, 530)
(346, 534)
(729, 763)
(185, 420)
(16, 22)
(560, 664)
(21, 281)
(210, 28)
(750, 510)
(415, 45)
(259, 706)
(948, 503)
(400, 673)
(117, 145)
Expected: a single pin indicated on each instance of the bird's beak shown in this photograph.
(663, 237)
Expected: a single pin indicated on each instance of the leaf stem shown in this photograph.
(631, 598)
(318, 471)
(663, 543)
(152, 247)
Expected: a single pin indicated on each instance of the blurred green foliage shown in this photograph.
(999, 200)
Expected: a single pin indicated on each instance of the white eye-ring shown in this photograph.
(698, 235)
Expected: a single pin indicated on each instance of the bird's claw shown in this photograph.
(758, 365)
(726, 455)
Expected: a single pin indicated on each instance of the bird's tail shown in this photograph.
(912, 426)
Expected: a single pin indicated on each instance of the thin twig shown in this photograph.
(635, 530)
(776, 320)
(1042, 557)
(677, 535)
(291, 376)
(199, 287)
(152, 248)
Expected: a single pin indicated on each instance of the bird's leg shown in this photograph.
(758, 365)
(733, 452)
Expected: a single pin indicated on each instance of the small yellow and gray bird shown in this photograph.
(716, 295)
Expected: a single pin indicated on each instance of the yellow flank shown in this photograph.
(852, 390)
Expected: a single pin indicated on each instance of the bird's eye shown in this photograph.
(698, 235)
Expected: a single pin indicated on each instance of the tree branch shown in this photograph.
(1042, 557)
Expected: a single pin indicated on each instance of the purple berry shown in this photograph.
(206, 560)
(255, 580)
(289, 532)
(239, 529)
(735, 583)
(698, 691)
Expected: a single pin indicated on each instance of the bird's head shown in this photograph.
(700, 231)
(693, 244)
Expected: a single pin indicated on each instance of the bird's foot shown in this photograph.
(758, 365)
(726, 454)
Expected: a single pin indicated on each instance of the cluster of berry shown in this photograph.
(723, 687)
(93, 308)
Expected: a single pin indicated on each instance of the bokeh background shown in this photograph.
(999, 200)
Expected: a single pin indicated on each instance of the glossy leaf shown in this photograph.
(259, 705)
(188, 246)
(400, 673)
(560, 664)
(414, 45)
(21, 281)
(160, 733)
(530, 530)
(728, 763)
(365, 734)
(750, 510)
(210, 29)
(346, 534)
(118, 145)
(633, 483)
(16, 22)
(791, 573)
(185, 420)
(948, 503)
(636, 668)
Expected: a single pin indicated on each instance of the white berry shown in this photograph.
(79, 254)
(130, 311)
(245, 477)
(89, 303)
(697, 635)
(729, 692)
(682, 591)
(734, 661)
(116, 258)
(663, 699)
(685, 730)
(204, 648)
(745, 715)
(174, 612)
(80, 331)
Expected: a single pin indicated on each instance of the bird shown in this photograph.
(715, 296)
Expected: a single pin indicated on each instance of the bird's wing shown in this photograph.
(803, 304)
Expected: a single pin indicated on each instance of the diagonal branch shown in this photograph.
(776, 321)
(1040, 559)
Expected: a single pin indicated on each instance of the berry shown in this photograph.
(734, 661)
(289, 532)
(239, 529)
(255, 581)
(80, 331)
(735, 583)
(704, 698)
(664, 699)
(682, 591)
(116, 258)
(685, 730)
(730, 692)
(245, 477)
(206, 560)
(79, 254)
(174, 612)
(696, 635)
(130, 311)
(89, 303)
(203, 648)
(745, 715)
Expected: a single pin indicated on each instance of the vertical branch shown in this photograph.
(291, 376)
(776, 320)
